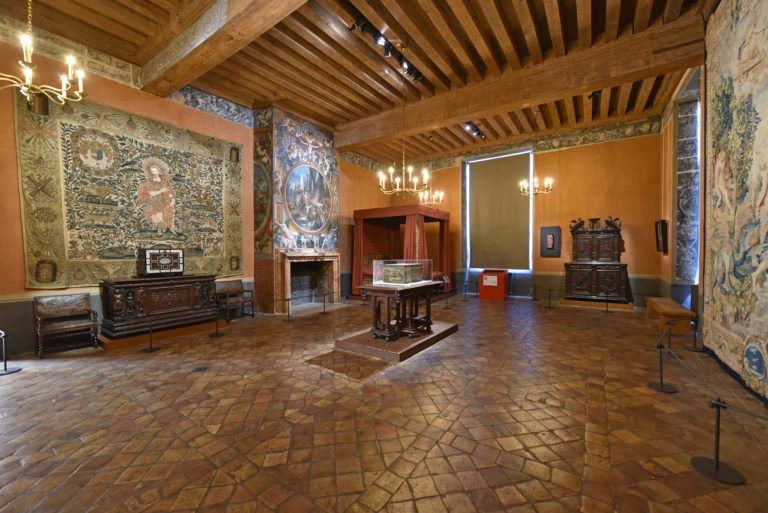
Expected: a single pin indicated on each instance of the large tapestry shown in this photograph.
(306, 186)
(98, 183)
(736, 295)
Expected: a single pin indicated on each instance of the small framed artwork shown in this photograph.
(550, 241)
(661, 236)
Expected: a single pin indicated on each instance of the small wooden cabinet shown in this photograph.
(596, 272)
(130, 305)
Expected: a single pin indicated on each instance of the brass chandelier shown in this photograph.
(396, 182)
(527, 190)
(59, 95)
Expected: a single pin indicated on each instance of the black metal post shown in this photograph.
(606, 308)
(465, 292)
(288, 319)
(365, 298)
(549, 298)
(6, 370)
(661, 386)
(217, 334)
(324, 312)
(695, 348)
(150, 349)
(714, 468)
(447, 306)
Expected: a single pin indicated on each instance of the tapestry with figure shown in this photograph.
(736, 295)
(98, 183)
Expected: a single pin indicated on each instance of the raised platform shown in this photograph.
(598, 304)
(362, 342)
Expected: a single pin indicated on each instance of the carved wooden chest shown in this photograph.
(403, 272)
(130, 305)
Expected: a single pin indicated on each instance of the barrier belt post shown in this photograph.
(661, 386)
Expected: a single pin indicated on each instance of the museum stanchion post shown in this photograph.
(661, 386)
(6, 370)
(216, 333)
(151, 348)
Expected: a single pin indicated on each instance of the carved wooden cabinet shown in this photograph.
(130, 305)
(596, 272)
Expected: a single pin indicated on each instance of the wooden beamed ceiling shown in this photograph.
(515, 68)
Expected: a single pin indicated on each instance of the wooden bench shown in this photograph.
(64, 317)
(230, 295)
(667, 309)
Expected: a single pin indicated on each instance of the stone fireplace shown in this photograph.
(305, 274)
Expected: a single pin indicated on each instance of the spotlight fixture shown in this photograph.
(388, 50)
(381, 40)
(473, 129)
(403, 63)
(356, 24)
(417, 76)
(594, 94)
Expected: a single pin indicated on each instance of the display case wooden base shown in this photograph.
(130, 306)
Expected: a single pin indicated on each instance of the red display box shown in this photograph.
(494, 284)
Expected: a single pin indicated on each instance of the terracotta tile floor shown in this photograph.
(525, 409)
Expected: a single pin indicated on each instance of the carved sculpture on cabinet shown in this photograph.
(596, 272)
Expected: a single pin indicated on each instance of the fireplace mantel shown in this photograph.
(283, 260)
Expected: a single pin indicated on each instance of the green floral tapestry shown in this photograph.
(98, 183)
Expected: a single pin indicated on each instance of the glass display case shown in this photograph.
(402, 272)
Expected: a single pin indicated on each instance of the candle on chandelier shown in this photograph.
(27, 75)
(26, 46)
(80, 75)
(64, 85)
(397, 183)
(70, 67)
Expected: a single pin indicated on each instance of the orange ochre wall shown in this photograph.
(107, 92)
(617, 178)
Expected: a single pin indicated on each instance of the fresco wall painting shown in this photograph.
(305, 187)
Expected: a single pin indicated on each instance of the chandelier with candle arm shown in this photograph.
(59, 95)
(527, 190)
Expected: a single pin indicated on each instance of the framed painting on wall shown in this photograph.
(550, 241)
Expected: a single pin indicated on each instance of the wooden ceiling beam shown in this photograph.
(660, 49)
(552, 9)
(623, 102)
(612, 19)
(488, 129)
(148, 9)
(537, 117)
(605, 103)
(496, 16)
(245, 20)
(428, 50)
(497, 127)
(317, 86)
(584, 20)
(667, 89)
(309, 74)
(525, 136)
(512, 123)
(467, 21)
(642, 15)
(643, 93)
(588, 108)
(570, 110)
(554, 113)
(455, 39)
(524, 121)
(525, 16)
(315, 17)
(326, 45)
(672, 10)
(96, 20)
(461, 133)
(278, 76)
(452, 137)
(298, 50)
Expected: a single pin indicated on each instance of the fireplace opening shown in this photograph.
(310, 281)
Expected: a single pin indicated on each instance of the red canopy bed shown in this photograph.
(377, 237)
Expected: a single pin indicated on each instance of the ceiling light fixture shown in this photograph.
(59, 95)
(473, 129)
(366, 27)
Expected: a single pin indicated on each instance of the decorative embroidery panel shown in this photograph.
(736, 296)
(98, 183)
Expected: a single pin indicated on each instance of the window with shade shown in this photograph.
(498, 217)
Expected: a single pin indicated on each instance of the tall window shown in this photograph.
(498, 220)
